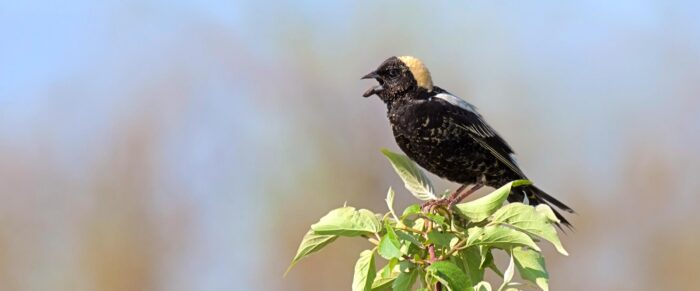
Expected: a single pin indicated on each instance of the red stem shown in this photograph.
(433, 258)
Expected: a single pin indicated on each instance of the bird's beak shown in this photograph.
(371, 75)
(374, 89)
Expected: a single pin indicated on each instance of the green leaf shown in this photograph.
(486, 257)
(547, 212)
(531, 267)
(411, 209)
(471, 259)
(482, 286)
(389, 245)
(414, 179)
(390, 204)
(450, 276)
(529, 220)
(408, 237)
(346, 221)
(419, 224)
(385, 277)
(364, 272)
(441, 239)
(479, 209)
(499, 237)
(439, 219)
(407, 277)
(508, 275)
(390, 199)
(310, 244)
(384, 283)
(487, 261)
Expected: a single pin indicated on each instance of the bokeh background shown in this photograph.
(188, 145)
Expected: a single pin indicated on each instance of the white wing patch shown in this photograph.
(482, 129)
(454, 100)
(513, 159)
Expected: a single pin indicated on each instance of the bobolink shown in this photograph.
(447, 136)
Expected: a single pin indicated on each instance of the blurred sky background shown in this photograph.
(188, 145)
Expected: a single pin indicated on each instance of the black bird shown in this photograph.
(447, 136)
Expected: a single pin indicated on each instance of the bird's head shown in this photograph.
(398, 76)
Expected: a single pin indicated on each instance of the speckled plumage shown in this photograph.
(446, 135)
(435, 135)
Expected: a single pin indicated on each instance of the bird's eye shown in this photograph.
(393, 73)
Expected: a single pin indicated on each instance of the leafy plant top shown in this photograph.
(436, 248)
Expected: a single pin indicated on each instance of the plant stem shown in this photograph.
(431, 247)
(409, 230)
(372, 240)
(431, 252)
(433, 259)
(458, 246)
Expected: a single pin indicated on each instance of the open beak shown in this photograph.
(374, 89)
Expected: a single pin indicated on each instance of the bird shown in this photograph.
(447, 135)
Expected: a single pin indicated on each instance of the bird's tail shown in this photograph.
(536, 196)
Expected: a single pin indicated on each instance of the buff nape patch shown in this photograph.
(420, 72)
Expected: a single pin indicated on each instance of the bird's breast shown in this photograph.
(436, 143)
(424, 136)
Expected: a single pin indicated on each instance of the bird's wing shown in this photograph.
(467, 117)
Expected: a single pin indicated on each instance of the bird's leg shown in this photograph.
(454, 194)
(428, 204)
(444, 201)
(461, 196)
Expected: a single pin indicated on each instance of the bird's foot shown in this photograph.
(454, 194)
(459, 195)
(431, 204)
(452, 199)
